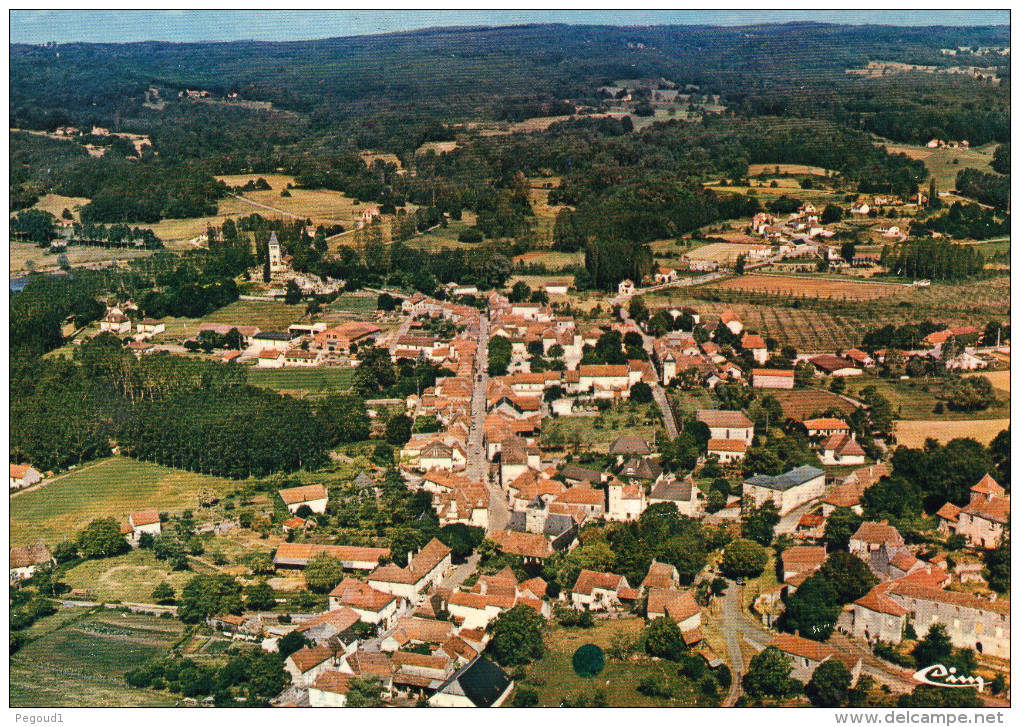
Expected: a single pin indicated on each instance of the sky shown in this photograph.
(122, 26)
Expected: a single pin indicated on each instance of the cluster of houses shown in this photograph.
(911, 591)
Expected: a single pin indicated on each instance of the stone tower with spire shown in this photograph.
(276, 263)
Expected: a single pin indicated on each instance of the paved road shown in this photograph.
(267, 207)
(730, 617)
(658, 393)
(477, 464)
(788, 523)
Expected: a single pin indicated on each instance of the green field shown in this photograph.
(915, 399)
(940, 162)
(129, 577)
(78, 659)
(597, 433)
(361, 303)
(268, 315)
(554, 678)
(108, 488)
(309, 381)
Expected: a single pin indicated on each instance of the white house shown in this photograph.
(314, 496)
(727, 450)
(147, 328)
(24, 475)
(372, 606)
(271, 358)
(772, 378)
(557, 287)
(788, 490)
(27, 559)
(625, 501)
(329, 689)
(841, 449)
(727, 424)
(732, 321)
(626, 287)
(424, 570)
(144, 521)
(600, 591)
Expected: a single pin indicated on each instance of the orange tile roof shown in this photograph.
(964, 600)
(581, 495)
(803, 557)
(949, 512)
(826, 423)
(144, 517)
(19, 470)
(333, 681)
(527, 545)
(588, 580)
(876, 600)
(341, 618)
(660, 575)
(872, 532)
(307, 493)
(799, 646)
(772, 372)
(356, 594)
(307, 658)
(988, 486)
(678, 605)
(307, 551)
(422, 563)
(726, 445)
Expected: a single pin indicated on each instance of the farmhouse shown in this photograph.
(772, 378)
(835, 365)
(727, 424)
(557, 287)
(314, 496)
(351, 557)
(604, 381)
(788, 490)
(424, 570)
(372, 606)
(600, 591)
(841, 449)
(271, 340)
(144, 521)
(825, 427)
(346, 336)
(24, 475)
(732, 321)
(677, 605)
(330, 689)
(984, 519)
(806, 656)
(756, 345)
(629, 445)
(147, 328)
(802, 559)
(27, 559)
(727, 450)
(271, 358)
(684, 494)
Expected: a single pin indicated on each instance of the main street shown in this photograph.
(477, 463)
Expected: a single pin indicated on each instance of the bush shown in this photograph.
(471, 234)
(525, 696)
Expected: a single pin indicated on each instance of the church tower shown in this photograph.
(275, 255)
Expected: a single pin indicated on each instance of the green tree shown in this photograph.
(293, 293)
(163, 594)
(101, 539)
(934, 648)
(460, 538)
(637, 309)
(832, 213)
(998, 564)
(291, 642)
(323, 573)
(928, 695)
(641, 393)
(663, 639)
(208, 595)
(398, 429)
(260, 596)
(812, 610)
(768, 675)
(525, 696)
(344, 418)
(839, 526)
(744, 558)
(849, 576)
(760, 523)
(516, 636)
(830, 684)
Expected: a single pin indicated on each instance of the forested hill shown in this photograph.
(467, 72)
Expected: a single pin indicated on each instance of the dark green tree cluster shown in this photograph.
(247, 679)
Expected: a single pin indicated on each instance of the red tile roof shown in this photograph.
(307, 493)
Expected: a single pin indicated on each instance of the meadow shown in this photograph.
(945, 163)
(129, 578)
(303, 381)
(596, 433)
(554, 679)
(914, 433)
(108, 488)
(78, 658)
(915, 399)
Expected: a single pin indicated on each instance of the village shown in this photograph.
(481, 448)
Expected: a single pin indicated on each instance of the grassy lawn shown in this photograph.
(80, 661)
(362, 303)
(597, 433)
(25, 255)
(107, 488)
(554, 678)
(313, 381)
(940, 162)
(129, 577)
(268, 315)
(686, 403)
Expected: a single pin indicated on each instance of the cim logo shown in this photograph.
(948, 678)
